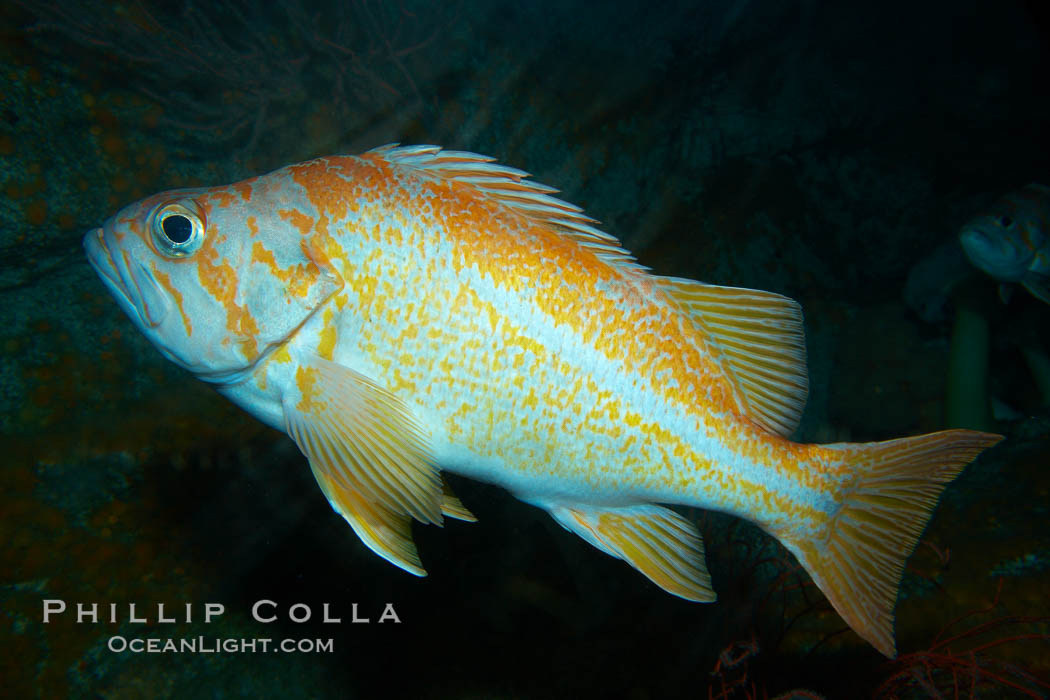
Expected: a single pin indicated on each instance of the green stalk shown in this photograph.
(1039, 364)
(967, 392)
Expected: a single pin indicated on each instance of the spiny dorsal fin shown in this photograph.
(511, 188)
(760, 337)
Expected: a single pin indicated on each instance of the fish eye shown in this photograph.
(178, 228)
(1006, 221)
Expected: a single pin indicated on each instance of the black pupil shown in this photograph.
(177, 228)
(1006, 222)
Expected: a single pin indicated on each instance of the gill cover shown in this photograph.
(996, 246)
(1010, 241)
(235, 280)
(259, 277)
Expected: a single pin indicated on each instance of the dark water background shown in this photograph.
(819, 150)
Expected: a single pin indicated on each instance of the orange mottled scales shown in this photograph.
(412, 310)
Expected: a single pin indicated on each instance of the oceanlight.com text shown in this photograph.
(215, 645)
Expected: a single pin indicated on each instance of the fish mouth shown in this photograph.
(995, 255)
(146, 304)
(102, 260)
(130, 283)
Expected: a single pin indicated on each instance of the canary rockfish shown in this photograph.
(412, 310)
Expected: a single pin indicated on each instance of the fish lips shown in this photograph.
(996, 255)
(130, 282)
(147, 305)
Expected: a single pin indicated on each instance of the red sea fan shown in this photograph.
(229, 69)
(965, 664)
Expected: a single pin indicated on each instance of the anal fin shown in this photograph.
(658, 542)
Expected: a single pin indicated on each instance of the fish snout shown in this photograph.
(995, 254)
(100, 258)
(131, 283)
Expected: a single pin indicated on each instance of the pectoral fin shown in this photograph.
(1038, 288)
(369, 456)
(657, 541)
(384, 531)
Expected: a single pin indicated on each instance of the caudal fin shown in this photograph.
(859, 560)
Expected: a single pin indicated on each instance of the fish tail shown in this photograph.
(858, 558)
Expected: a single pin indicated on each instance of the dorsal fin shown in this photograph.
(510, 187)
(760, 337)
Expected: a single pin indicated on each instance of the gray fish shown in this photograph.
(1011, 241)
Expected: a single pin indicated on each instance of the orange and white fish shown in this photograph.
(1011, 241)
(412, 310)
